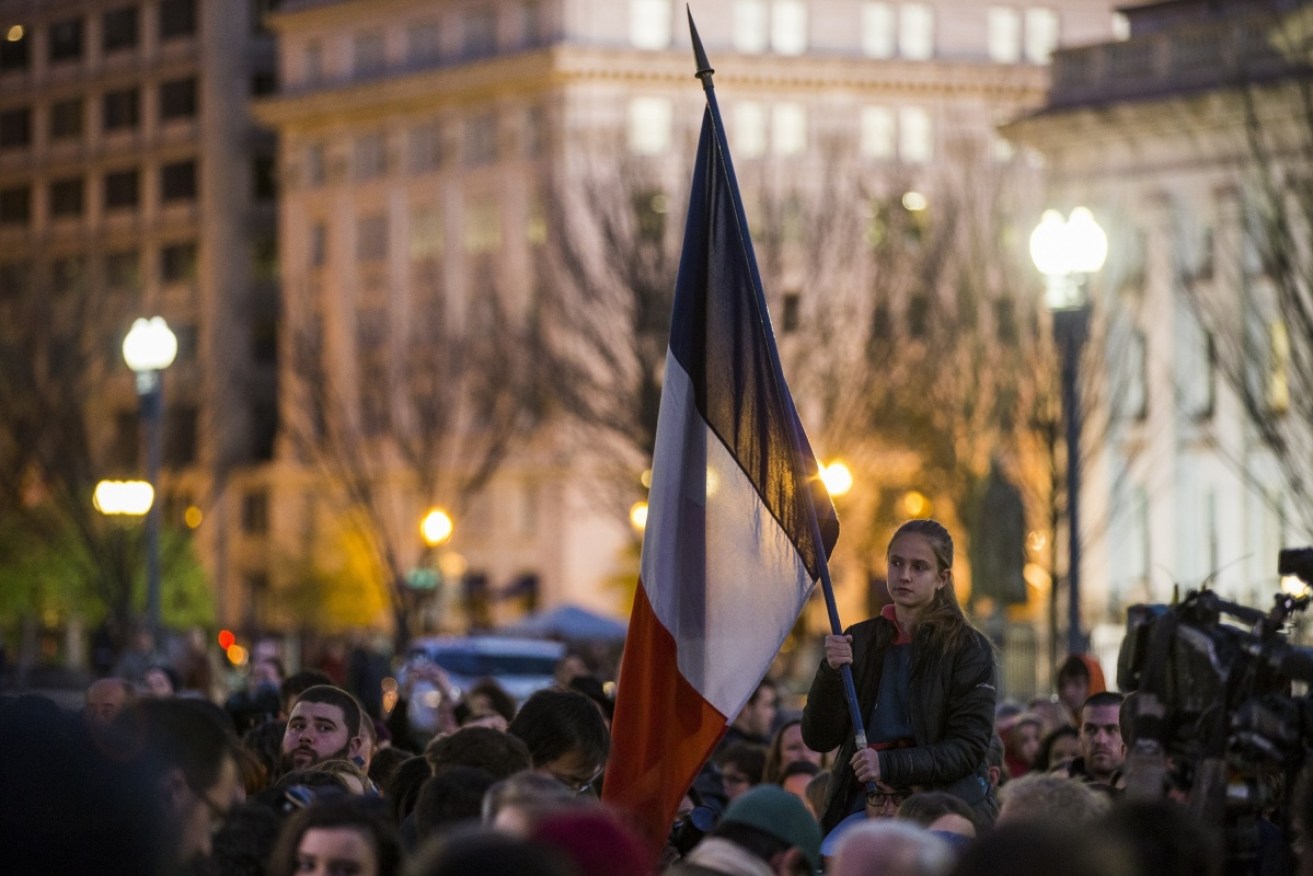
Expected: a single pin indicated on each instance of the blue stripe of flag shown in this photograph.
(721, 335)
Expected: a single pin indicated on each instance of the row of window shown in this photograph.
(120, 110)
(66, 198)
(476, 36)
(780, 128)
(120, 30)
(115, 270)
(885, 30)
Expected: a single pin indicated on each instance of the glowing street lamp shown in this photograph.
(149, 348)
(127, 498)
(837, 477)
(1066, 252)
(437, 527)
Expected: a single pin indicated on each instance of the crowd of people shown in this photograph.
(296, 773)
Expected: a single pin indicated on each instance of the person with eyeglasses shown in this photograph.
(187, 748)
(566, 735)
(925, 684)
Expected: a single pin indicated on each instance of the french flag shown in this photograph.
(739, 525)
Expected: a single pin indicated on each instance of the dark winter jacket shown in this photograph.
(952, 712)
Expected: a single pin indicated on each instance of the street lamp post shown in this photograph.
(149, 348)
(1066, 252)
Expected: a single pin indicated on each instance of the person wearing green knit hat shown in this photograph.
(766, 831)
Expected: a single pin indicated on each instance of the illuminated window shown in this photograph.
(789, 129)
(788, 32)
(1041, 35)
(649, 125)
(878, 34)
(915, 135)
(749, 129)
(916, 31)
(750, 26)
(649, 24)
(1003, 34)
(877, 132)
(482, 226)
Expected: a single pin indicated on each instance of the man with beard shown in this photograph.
(324, 724)
(1101, 745)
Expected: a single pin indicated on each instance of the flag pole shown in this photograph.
(704, 74)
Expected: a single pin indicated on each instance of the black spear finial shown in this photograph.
(699, 53)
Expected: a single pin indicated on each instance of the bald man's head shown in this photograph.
(106, 697)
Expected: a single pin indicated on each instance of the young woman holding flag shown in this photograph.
(925, 683)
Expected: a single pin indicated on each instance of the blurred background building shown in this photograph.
(419, 255)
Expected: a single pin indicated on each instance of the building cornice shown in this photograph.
(561, 65)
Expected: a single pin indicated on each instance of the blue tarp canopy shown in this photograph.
(568, 622)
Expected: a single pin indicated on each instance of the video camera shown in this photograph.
(1213, 716)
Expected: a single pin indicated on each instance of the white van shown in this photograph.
(520, 666)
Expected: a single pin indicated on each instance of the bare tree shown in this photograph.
(434, 400)
(59, 553)
(912, 338)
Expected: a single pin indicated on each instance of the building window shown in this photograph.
(424, 148)
(14, 52)
(66, 198)
(178, 263)
(264, 258)
(180, 428)
(649, 125)
(878, 34)
(788, 31)
(16, 280)
(255, 513)
(123, 270)
(66, 119)
(535, 132)
(178, 181)
(426, 240)
(65, 40)
(649, 24)
(481, 138)
(791, 313)
(263, 83)
(789, 129)
(15, 128)
(1135, 392)
(121, 190)
(479, 32)
(1041, 35)
(372, 238)
(68, 276)
(915, 135)
(371, 156)
(119, 29)
(370, 53)
(749, 129)
(120, 109)
(750, 26)
(482, 226)
(16, 205)
(314, 61)
(877, 133)
(178, 99)
(1003, 34)
(318, 255)
(177, 18)
(916, 31)
(314, 165)
(423, 42)
(264, 178)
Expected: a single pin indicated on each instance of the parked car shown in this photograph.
(520, 666)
